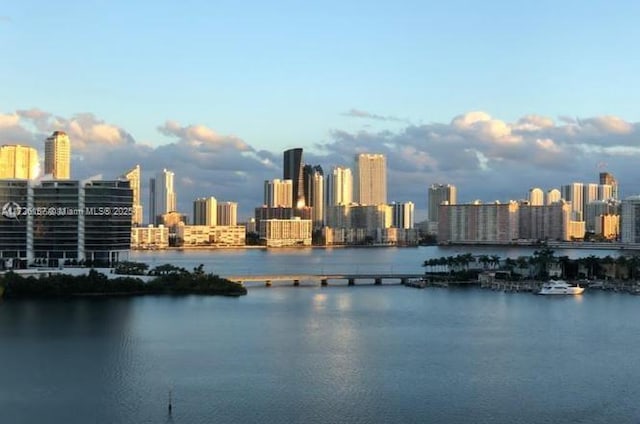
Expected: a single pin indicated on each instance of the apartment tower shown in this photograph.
(371, 179)
(57, 156)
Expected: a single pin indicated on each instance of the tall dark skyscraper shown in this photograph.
(293, 170)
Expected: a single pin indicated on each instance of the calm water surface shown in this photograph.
(364, 354)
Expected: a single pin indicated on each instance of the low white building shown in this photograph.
(150, 237)
(205, 235)
(286, 232)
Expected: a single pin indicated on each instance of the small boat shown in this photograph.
(419, 284)
(560, 287)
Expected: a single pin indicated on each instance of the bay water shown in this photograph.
(311, 354)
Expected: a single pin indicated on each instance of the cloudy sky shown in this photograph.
(495, 97)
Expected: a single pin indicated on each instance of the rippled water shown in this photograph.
(363, 354)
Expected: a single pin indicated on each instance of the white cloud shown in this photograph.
(485, 157)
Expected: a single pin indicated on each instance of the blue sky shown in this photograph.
(288, 74)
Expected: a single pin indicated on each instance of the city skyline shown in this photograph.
(492, 98)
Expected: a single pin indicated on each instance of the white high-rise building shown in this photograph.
(162, 197)
(205, 211)
(536, 197)
(278, 193)
(553, 196)
(19, 162)
(574, 193)
(340, 187)
(403, 215)
(57, 156)
(316, 197)
(227, 214)
(134, 176)
(371, 179)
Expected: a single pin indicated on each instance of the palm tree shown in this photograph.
(484, 260)
(494, 260)
(542, 258)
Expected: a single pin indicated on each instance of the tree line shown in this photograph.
(168, 279)
(538, 265)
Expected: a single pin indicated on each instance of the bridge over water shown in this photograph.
(324, 279)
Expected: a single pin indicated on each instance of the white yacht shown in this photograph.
(560, 287)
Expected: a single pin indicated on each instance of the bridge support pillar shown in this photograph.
(378, 281)
(404, 281)
(324, 282)
(352, 281)
(296, 283)
(267, 283)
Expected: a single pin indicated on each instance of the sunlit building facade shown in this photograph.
(162, 195)
(19, 162)
(57, 156)
(371, 179)
(134, 177)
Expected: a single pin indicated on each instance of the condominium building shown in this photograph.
(340, 187)
(57, 155)
(293, 170)
(608, 179)
(439, 194)
(150, 237)
(278, 193)
(18, 161)
(546, 222)
(597, 208)
(478, 223)
(205, 211)
(286, 232)
(608, 226)
(371, 179)
(54, 222)
(162, 196)
(630, 220)
(206, 235)
(314, 193)
(402, 215)
(553, 195)
(536, 197)
(227, 214)
(134, 177)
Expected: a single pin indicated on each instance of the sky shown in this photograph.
(495, 97)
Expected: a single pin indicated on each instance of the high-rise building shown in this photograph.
(630, 220)
(20, 162)
(292, 170)
(493, 222)
(440, 194)
(79, 221)
(553, 196)
(609, 179)
(133, 176)
(162, 197)
(57, 156)
(403, 215)
(205, 211)
(340, 187)
(278, 193)
(371, 179)
(314, 193)
(536, 197)
(227, 214)
(574, 193)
